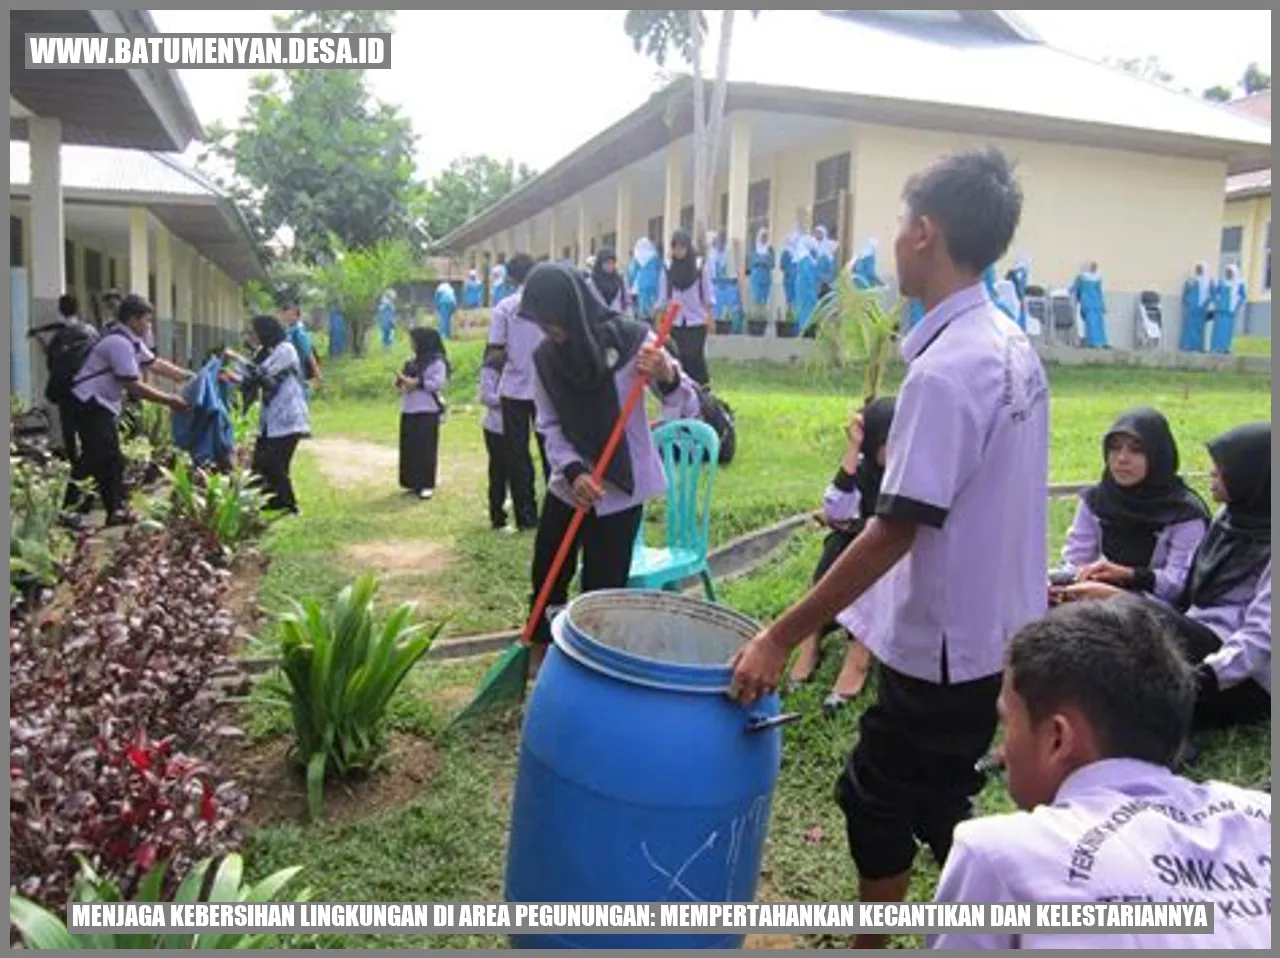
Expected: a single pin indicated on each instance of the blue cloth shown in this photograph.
(337, 332)
(1195, 308)
(989, 281)
(1225, 312)
(915, 313)
(1020, 276)
(864, 271)
(808, 278)
(760, 270)
(647, 278)
(1086, 290)
(472, 294)
(826, 270)
(446, 306)
(386, 321)
(205, 431)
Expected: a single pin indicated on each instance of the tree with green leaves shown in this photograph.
(1255, 79)
(467, 187)
(316, 154)
(658, 33)
(355, 278)
(1218, 94)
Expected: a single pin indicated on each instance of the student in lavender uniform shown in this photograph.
(683, 282)
(111, 371)
(275, 374)
(420, 384)
(495, 446)
(760, 266)
(1140, 526)
(1197, 301)
(585, 367)
(1096, 704)
(847, 507)
(1086, 290)
(958, 535)
(1228, 296)
(1223, 617)
(606, 282)
(518, 337)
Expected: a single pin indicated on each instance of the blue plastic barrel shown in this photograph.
(639, 780)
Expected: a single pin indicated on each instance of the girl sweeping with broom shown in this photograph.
(590, 359)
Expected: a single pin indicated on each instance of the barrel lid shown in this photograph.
(658, 639)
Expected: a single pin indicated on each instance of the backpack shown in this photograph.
(66, 355)
(304, 355)
(717, 414)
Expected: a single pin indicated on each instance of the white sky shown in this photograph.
(487, 81)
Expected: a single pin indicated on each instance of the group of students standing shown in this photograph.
(1208, 302)
(937, 565)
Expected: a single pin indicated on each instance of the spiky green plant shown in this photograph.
(230, 506)
(855, 326)
(339, 670)
(41, 929)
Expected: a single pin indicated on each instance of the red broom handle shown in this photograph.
(615, 438)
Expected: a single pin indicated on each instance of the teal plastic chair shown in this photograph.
(690, 451)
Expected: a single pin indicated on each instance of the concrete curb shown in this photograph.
(734, 560)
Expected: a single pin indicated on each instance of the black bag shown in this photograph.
(717, 414)
(66, 354)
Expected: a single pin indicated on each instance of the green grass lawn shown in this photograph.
(1253, 346)
(448, 845)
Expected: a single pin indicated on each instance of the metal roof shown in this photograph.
(137, 107)
(186, 202)
(1257, 183)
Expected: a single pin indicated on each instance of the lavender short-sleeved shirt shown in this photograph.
(520, 337)
(1242, 619)
(968, 463)
(490, 400)
(117, 358)
(646, 465)
(421, 398)
(1121, 830)
(1170, 560)
(696, 303)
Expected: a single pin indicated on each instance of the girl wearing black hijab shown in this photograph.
(1223, 616)
(850, 501)
(275, 376)
(1139, 527)
(685, 283)
(606, 281)
(421, 406)
(584, 368)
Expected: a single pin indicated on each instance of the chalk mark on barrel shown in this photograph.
(675, 882)
(737, 833)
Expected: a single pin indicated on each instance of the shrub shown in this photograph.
(37, 546)
(227, 508)
(111, 711)
(339, 671)
(42, 930)
(855, 327)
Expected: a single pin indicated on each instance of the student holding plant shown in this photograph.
(1139, 527)
(274, 375)
(958, 535)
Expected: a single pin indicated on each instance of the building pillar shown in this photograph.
(164, 293)
(739, 181)
(139, 252)
(552, 229)
(675, 185)
(582, 231)
(48, 256)
(622, 218)
(184, 272)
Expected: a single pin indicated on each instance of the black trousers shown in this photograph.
(911, 777)
(499, 482)
(419, 450)
(100, 456)
(518, 416)
(1237, 705)
(833, 547)
(272, 459)
(73, 496)
(691, 344)
(605, 544)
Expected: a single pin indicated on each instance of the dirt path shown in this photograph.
(351, 463)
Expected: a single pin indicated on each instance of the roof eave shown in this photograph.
(1249, 192)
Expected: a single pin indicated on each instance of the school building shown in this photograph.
(95, 203)
(827, 114)
(1246, 226)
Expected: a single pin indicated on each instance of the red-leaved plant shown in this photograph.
(114, 720)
